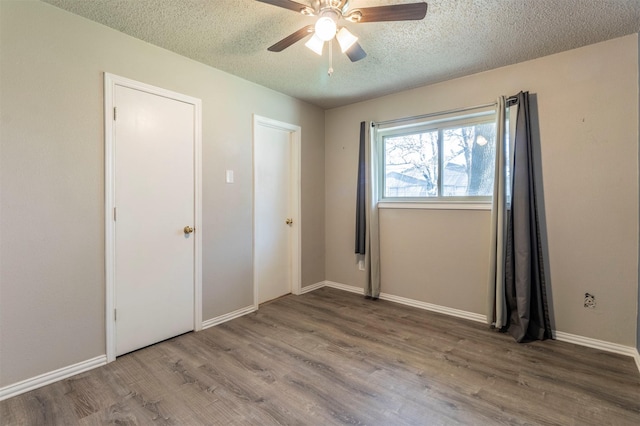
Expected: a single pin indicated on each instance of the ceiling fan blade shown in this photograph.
(396, 12)
(356, 52)
(289, 40)
(287, 4)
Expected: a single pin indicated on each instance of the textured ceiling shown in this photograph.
(457, 38)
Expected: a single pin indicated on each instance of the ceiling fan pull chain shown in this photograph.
(330, 72)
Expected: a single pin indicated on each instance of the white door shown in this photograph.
(154, 201)
(275, 204)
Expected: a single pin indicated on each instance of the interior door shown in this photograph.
(273, 187)
(154, 202)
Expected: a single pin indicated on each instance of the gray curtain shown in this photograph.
(525, 285)
(519, 305)
(361, 197)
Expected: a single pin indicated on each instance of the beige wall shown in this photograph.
(52, 255)
(585, 112)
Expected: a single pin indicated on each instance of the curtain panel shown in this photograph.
(496, 312)
(517, 287)
(367, 240)
(361, 194)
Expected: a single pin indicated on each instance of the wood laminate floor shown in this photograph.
(331, 357)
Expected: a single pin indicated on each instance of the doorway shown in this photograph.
(276, 159)
(153, 227)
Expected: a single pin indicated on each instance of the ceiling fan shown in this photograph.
(330, 13)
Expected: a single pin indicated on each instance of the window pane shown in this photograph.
(468, 160)
(411, 165)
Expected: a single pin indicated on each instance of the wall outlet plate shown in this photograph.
(589, 301)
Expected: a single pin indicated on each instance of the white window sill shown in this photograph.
(434, 205)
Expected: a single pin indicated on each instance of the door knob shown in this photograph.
(289, 221)
(188, 230)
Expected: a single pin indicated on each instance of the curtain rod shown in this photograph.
(509, 101)
(433, 114)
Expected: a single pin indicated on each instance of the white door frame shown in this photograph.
(110, 83)
(296, 255)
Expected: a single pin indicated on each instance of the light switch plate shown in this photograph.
(229, 176)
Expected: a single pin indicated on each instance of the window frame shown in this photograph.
(439, 125)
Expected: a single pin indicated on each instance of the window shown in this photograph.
(444, 160)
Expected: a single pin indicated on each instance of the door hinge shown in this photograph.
(114, 214)
(115, 314)
(115, 113)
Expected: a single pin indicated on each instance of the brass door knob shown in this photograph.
(188, 230)
(289, 221)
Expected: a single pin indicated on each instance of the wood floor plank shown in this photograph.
(330, 357)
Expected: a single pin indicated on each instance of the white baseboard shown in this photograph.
(411, 302)
(349, 288)
(312, 287)
(435, 308)
(51, 377)
(597, 344)
(228, 317)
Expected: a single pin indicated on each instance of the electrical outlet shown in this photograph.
(589, 301)
(361, 264)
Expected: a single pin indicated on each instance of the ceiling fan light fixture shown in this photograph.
(346, 39)
(316, 44)
(326, 28)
